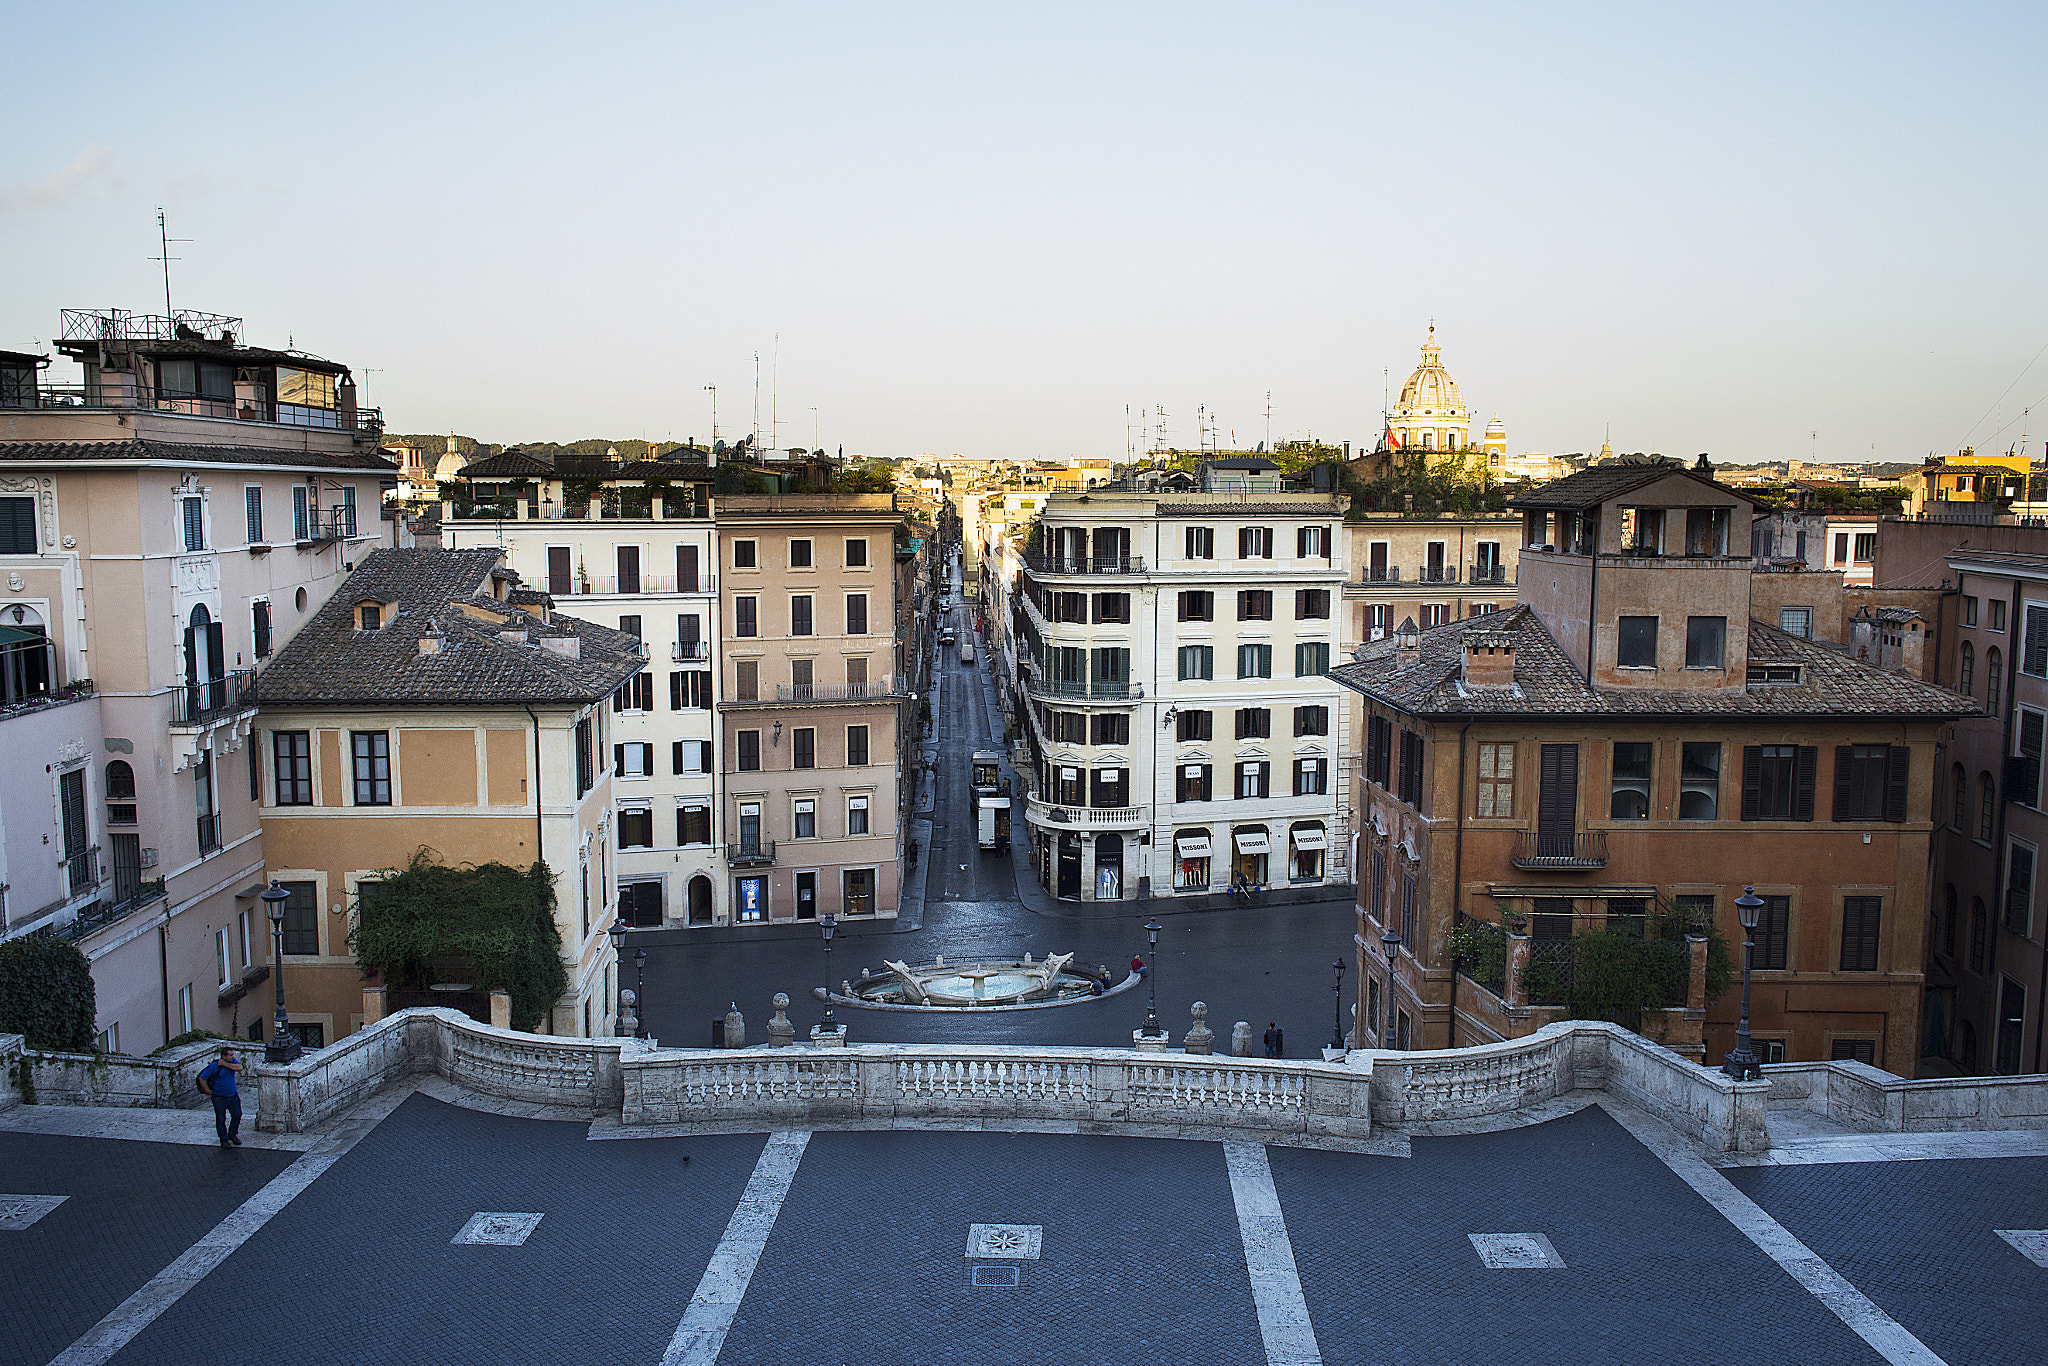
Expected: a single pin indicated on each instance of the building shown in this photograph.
(424, 707)
(1965, 477)
(1173, 652)
(1987, 943)
(1430, 414)
(813, 743)
(629, 544)
(1626, 750)
(168, 521)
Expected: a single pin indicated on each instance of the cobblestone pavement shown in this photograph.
(1144, 1251)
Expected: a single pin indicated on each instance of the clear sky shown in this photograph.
(987, 229)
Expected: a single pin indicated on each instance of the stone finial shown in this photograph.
(735, 1027)
(781, 1033)
(629, 1021)
(1201, 1038)
(1241, 1039)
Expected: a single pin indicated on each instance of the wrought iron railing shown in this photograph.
(1560, 849)
(102, 914)
(197, 703)
(630, 584)
(1386, 574)
(876, 688)
(82, 869)
(1119, 692)
(750, 853)
(1040, 563)
(686, 651)
(110, 393)
(209, 834)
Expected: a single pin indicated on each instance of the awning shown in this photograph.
(1310, 837)
(1192, 848)
(1252, 842)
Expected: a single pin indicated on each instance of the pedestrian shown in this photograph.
(217, 1081)
(1137, 966)
(1095, 987)
(1276, 1043)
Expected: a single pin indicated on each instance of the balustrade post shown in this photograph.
(1518, 970)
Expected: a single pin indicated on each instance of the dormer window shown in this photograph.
(370, 616)
(1706, 531)
(1779, 675)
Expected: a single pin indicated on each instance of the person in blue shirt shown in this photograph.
(217, 1080)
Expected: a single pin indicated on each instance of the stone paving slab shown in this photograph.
(131, 1208)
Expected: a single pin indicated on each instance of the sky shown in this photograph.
(1759, 231)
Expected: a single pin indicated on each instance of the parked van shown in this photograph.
(967, 652)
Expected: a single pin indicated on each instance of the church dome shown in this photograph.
(1496, 427)
(1430, 391)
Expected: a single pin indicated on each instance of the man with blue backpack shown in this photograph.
(217, 1081)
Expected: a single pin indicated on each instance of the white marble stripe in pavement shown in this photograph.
(1269, 1256)
(701, 1335)
(1885, 1334)
(120, 1327)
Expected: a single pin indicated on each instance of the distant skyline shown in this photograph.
(989, 231)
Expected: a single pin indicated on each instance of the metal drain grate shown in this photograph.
(1004, 1276)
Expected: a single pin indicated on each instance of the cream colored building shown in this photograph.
(1430, 414)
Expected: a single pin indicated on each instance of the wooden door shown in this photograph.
(1557, 806)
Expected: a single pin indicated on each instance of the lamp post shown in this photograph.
(1741, 1062)
(1337, 1019)
(283, 1046)
(640, 990)
(618, 938)
(828, 926)
(1152, 1029)
(1390, 944)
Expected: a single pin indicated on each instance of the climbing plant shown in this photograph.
(489, 919)
(46, 994)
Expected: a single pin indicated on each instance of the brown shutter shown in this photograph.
(1898, 762)
(1752, 781)
(1844, 764)
(1802, 783)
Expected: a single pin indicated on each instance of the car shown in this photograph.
(947, 637)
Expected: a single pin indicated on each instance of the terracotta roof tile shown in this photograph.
(43, 452)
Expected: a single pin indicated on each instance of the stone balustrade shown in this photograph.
(1875, 1101)
(164, 1081)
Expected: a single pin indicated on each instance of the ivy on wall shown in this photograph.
(46, 994)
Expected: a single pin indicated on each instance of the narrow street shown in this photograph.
(1258, 963)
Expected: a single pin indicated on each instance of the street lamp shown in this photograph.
(1337, 1020)
(1390, 944)
(1741, 1062)
(618, 937)
(640, 991)
(1152, 1029)
(284, 1045)
(828, 926)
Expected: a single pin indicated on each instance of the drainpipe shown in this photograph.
(1592, 597)
(1457, 881)
(163, 966)
(536, 781)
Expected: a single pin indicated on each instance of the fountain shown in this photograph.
(977, 984)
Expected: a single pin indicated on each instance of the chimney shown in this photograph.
(1407, 645)
(1489, 659)
(430, 643)
(569, 647)
(512, 637)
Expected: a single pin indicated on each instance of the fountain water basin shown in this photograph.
(974, 984)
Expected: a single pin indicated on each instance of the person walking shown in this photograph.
(1276, 1043)
(217, 1080)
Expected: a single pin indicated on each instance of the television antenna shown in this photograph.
(164, 257)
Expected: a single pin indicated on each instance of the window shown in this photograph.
(1636, 643)
(1254, 661)
(1853, 1050)
(1255, 543)
(1312, 543)
(689, 690)
(689, 756)
(348, 509)
(194, 513)
(1706, 531)
(634, 759)
(2024, 785)
(302, 513)
(1435, 614)
(252, 512)
(1959, 786)
(1311, 604)
(1191, 783)
(856, 614)
(1197, 662)
(1311, 777)
(1254, 778)
(1987, 806)
(804, 818)
(744, 621)
(1796, 621)
(2034, 653)
(1197, 606)
(749, 751)
(1254, 723)
(1966, 670)
(2012, 1019)
(1070, 790)
(636, 828)
(1870, 782)
(1112, 607)
(1992, 661)
(1777, 782)
(856, 746)
(686, 573)
(1069, 727)
(800, 615)
(1254, 604)
(860, 891)
(1110, 789)
(799, 554)
(1112, 667)
(370, 616)
(1979, 923)
(856, 815)
(1496, 781)
(746, 680)
(630, 626)
(1699, 780)
(1110, 728)
(693, 825)
(1861, 916)
(259, 627)
(1379, 745)
(2019, 888)
(745, 555)
(1311, 659)
(586, 757)
(1998, 614)
(301, 918)
(1311, 720)
(1201, 542)
(1704, 639)
(1631, 784)
(1069, 606)
(1195, 725)
(856, 552)
(626, 560)
(1969, 611)
(372, 752)
(1773, 934)
(1866, 546)
(1842, 547)
(18, 526)
(804, 747)
(1411, 768)
(291, 757)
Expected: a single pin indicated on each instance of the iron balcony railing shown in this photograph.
(1385, 574)
(750, 853)
(1565, 850)
(628, 585)
(1118, 692)
(874, 688)
(197, 703)
(110, 393)
(1437, 574)
(209, 834)
(82, 869)
(686, 651)
(1040, 563)
(102, 914)
(326, 524)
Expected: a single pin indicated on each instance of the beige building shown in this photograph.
(814, 678)
(423, 708)
(173, 512)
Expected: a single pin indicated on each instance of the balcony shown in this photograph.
(630, 585)
(245, 407)
(1384, 574)
(197, 705)
(1040, 563)
(327, 524)
(1056, 690)
(1560, 852)
(690, 651)
(1073, 817)
(82, 870)
(209, 835)
(881, 689)
(750, 854)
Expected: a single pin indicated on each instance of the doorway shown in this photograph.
(749, 898)
(806, 896)
(1070, 868)
(700, 900)
(1109, 867)
(1557, 807)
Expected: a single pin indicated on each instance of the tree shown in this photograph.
(46, 994)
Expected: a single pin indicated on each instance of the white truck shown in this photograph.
(991, 801)
(967, 651)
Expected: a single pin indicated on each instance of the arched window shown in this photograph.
(120, 781)
(1966, 672)
(1962, 796)
(1988, 807)
(1948, 921)
(1991, 680)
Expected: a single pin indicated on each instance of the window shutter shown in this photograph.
(675, 757)
(675, 692)
(1265, 778)
(1898, 761)
(1802, 786)
(2036, 653)
(1843, 762)
(2031, 738)
(1301, 543)
(1752, 780)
